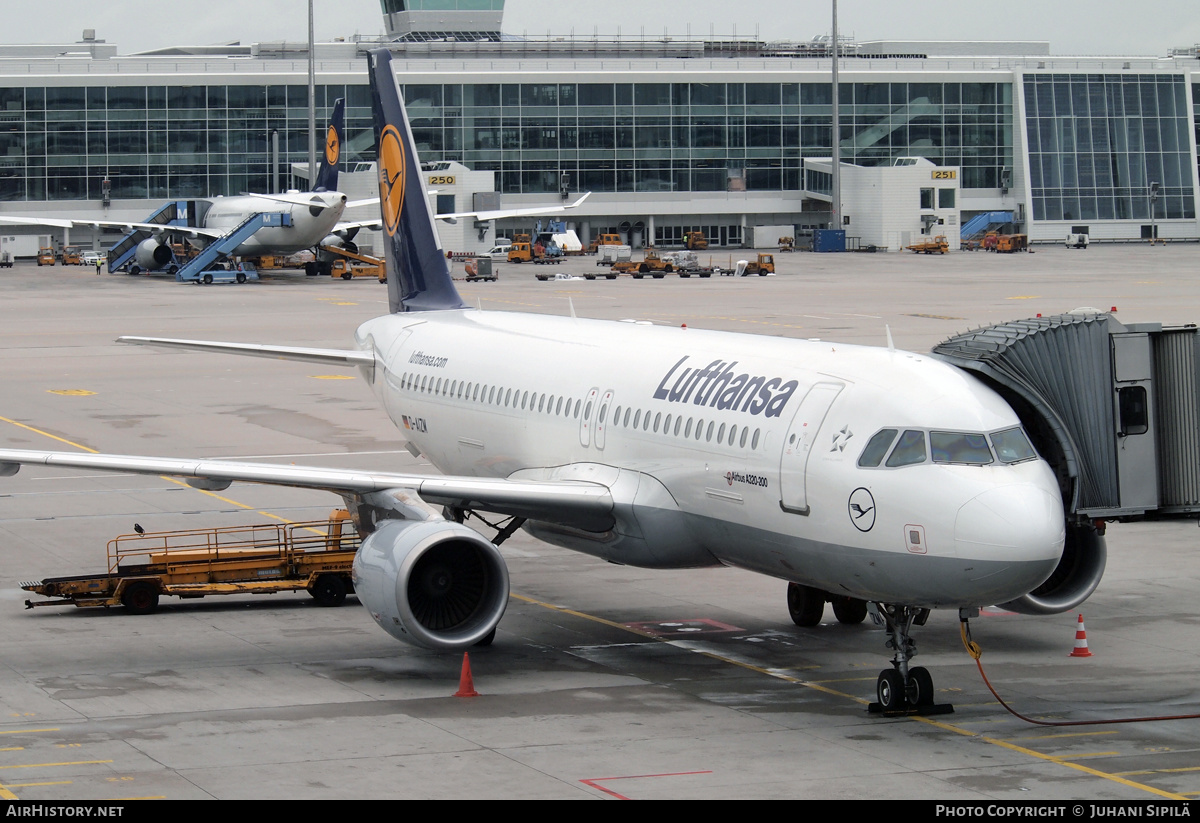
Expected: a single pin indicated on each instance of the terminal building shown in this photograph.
(719, 134)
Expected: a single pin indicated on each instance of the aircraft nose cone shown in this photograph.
(1024, 522)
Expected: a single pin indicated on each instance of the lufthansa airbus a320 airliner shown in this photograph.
(879, 480)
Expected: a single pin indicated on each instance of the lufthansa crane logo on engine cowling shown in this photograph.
(861, 507)
(391, 178)
(333, 146)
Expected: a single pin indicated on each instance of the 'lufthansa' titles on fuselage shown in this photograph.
(718, 386)
(422, 359)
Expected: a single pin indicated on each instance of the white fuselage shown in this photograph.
(311, 222)
(735, 449)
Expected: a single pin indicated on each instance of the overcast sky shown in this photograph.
(1098, 27)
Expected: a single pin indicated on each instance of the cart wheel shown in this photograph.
(329, 590)
(208, 278)
(140, 598)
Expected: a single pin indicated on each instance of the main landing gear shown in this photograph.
(903, 689)
(806, 605)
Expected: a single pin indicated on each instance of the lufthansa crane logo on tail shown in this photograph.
(391, 178)
(333, 146)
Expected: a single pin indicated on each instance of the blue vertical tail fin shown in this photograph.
(418, 273)
(327, 175)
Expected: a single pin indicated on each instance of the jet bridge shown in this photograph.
(1115, 408)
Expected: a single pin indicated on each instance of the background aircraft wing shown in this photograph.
(499, 214)
(580, 504)
(71, 223)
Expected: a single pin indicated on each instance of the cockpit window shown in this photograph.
(1012, 446)
(959, 447)
(876, 448)
(910, 449)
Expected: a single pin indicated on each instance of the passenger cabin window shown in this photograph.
(909, 450)
(958, 447)
(876, 448)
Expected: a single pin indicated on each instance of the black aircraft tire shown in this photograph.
(920, 687)
(849, 610)
(806, 605)
(889, 690)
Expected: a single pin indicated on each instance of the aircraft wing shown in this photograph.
(495, 214)
(70, 223)
(499, 214)
(327, 357)
(580, 504)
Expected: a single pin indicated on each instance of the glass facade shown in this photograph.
(649, 137)
(188, 141)
(159, 141)
(1097, 142)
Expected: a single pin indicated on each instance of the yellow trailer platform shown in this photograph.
(264, 559)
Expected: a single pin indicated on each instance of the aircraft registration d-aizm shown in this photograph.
(878, 480)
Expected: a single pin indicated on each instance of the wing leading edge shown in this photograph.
(583, 505)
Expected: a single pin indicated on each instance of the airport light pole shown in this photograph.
(1153, 196)
(835, 204)
(312, 103)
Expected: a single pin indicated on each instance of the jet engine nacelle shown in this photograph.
(1073, 580)
(153, 255)
(432, 583)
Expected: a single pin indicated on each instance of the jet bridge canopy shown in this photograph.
(1114, 408)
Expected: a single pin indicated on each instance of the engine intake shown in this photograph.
(1072, 581)
(431, 583)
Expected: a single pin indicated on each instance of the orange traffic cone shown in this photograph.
(1081, 647)
(466, 686)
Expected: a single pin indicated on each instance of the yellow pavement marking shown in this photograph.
(67, 763)
(176, 481)
(70, 392)
(1064, 760)
(28, 731)
(1024, 297)
(331, 376)
(1064, 734)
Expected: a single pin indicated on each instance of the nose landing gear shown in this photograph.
(903, 690)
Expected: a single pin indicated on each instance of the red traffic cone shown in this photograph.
(466, 686)
(1081, 646)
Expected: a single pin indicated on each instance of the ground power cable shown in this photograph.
(976, 652)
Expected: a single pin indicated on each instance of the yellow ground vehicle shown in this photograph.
(787, 243)
(765, 264)
(1009, 243)
(695, 241)
(193, 563)
(604, 240)
(934, 245)
(520, 251)
(71, 256)
(350, 264)
(652, 264)
(46, 256)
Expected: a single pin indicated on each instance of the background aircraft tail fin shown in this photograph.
(418, 272)
(327, 175)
